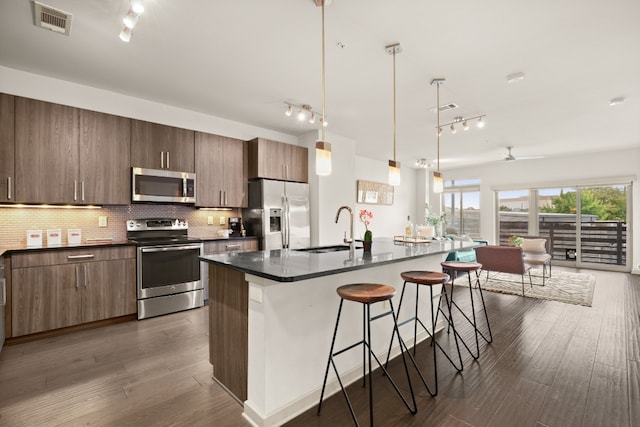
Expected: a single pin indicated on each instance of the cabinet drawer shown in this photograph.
(71, 256)
(230, 246)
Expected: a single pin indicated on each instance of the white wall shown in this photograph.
(594, 168)
(388, 220)
(338, 189)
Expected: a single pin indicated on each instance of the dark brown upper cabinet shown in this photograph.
(277, 160)
(7, 148)
(156, 146)
(46, 152)
(105, 158)
(221, 171)
(69, 155)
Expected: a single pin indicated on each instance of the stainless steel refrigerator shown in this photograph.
(278, 214)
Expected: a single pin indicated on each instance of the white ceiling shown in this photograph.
(243, 59)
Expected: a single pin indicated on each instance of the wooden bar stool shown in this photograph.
(453, 267)
(430, 279)
(367, 294)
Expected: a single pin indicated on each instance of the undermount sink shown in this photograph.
(326, 249)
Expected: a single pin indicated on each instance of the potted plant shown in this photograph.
(366, 217)
(434, 220)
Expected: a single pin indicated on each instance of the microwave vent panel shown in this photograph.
(51, 19)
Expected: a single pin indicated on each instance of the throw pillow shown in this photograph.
(533, 245)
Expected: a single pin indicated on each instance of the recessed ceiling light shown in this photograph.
(616, 101)
(515, 77)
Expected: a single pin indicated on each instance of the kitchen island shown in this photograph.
(272, 315)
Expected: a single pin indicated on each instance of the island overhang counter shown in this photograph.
(272, 314)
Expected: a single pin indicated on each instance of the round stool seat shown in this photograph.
(366, 292)
(461, 265)
(425, 277)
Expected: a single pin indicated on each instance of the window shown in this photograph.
(461, 201)
(586, 225)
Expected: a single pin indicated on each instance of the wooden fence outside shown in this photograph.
(602, 242)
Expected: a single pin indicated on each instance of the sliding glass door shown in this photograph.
(586, 226)
(603, 225)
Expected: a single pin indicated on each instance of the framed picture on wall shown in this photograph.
(375, 193)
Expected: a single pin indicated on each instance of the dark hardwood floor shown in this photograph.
(551, 364)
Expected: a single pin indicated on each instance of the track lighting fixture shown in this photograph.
(464, 122)
(304, 112)
(131, 19)
(423, 164)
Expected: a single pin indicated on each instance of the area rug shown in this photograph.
(562, 286)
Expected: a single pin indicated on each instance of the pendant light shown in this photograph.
(323, 148)
(394, 166)
(438, 182)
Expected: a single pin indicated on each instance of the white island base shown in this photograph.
(290, 325)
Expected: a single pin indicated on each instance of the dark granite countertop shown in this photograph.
(292, 265)
(8, 250)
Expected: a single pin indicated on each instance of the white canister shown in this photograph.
(54, 237)
(34, 237)
(74, 236)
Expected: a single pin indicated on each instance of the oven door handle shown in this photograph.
(169, 248)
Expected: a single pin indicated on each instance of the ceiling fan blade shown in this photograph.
(529, 157)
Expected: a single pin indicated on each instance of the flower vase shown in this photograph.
(367, 246)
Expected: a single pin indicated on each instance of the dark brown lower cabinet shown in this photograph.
(229, 328)
(66, 288)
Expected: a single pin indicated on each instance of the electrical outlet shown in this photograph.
(210, 220)
(102, 221)
(223, 220)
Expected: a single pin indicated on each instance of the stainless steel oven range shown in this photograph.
(168, 266)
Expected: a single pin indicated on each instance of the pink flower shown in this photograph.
(366, 217)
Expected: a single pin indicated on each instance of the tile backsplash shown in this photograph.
(14, 222)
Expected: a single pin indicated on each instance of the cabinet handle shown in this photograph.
(9, 188)
(232, 247)
(77, 278)
(162, 160)
(221, 201)
(87, 256)
(225, 197)
(82, 186)
(75, 190)
(168, 160)
(85, 275)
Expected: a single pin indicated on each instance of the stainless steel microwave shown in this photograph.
(156, 185)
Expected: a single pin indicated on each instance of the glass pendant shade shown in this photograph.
(323, 158)
(438, 183)
(394, 172)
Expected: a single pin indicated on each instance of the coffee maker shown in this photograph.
(235, 225)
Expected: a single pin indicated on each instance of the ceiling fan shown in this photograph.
(511, 157)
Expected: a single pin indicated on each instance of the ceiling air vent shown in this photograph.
(446, 107)
(51, 19)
